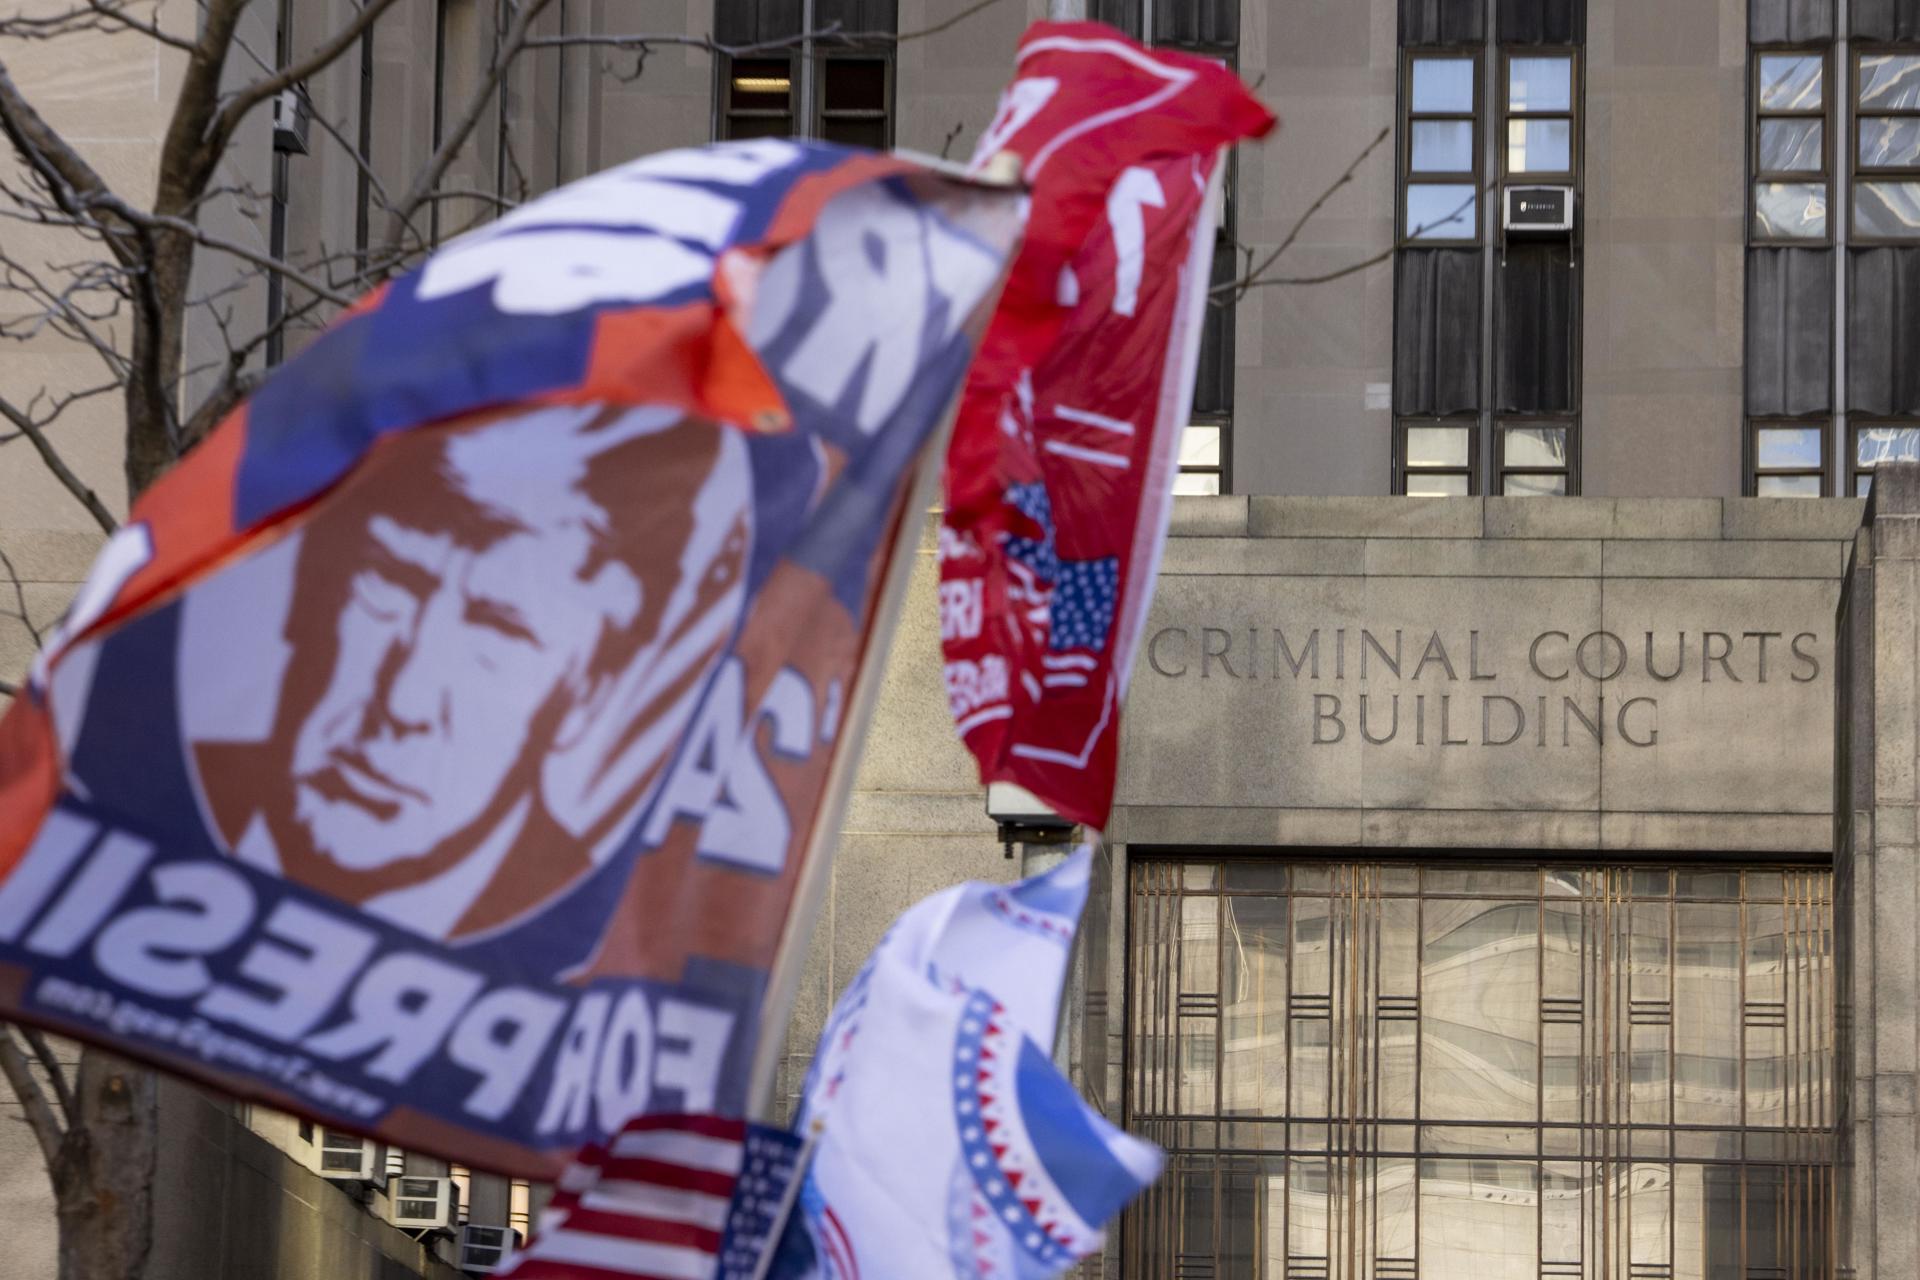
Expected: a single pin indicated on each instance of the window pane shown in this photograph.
(1791, 82)
(1200, 447)
(1442, 146)
(1539, 146)
(1889, 143)
(1442, 86)
(1887, 209)
(761, 84)
(1534, 486)
(1889, 82)
(871, 134)
(856, 84)
(1431, 486)
(741, 128)
(1536, 446)
(1791, 210)
(1788, 448)
(1787, 486)
(1790, 146)
(1441, 211)
(1540, 84)
(1875, 445)
(1437, 446)
(1197, 483)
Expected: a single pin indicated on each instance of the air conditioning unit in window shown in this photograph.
(483, 1249)
(292, 121)
(346, 1157)
(1537, 211)
(423, 1204)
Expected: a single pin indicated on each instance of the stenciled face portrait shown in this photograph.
(492, 635)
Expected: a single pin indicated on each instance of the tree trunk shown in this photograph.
(103, 1179)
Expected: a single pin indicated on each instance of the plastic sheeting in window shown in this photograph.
(1442, 22)
(1436, 341)
(1536, 321)
(1789, 21)
(1883, 328)
(1789, 332)
(1542, 22)
(1885, 19)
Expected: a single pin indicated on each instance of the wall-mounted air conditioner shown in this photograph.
(346, 1157)
(483, 1249)
(422, 1204)
(292, 121)
(1537, 211)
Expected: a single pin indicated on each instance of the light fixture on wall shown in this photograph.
(1024, 818)
(762, 84)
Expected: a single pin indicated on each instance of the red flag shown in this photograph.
(1060, 474)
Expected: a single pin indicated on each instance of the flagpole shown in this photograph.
(783, 980)
(788, 1198)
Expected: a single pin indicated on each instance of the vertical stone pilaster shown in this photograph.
(1877, 883)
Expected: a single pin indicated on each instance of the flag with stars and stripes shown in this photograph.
(1061, 468)
(677, 1197)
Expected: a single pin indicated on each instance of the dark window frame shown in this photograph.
(1853, 470)
(1570, 423)
(821, 113)
(1756, 176)
(1751, 446)
(1859, 174)
(1569, 176)
(724, 112)
(1459, 422)
(1408, 179)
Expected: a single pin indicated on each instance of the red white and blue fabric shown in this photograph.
(949, 1144)
(672, 1198)
(435, 749)
(1060, 472)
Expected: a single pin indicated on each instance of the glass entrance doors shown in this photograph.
(1445, 1072)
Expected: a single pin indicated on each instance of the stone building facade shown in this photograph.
(1498, 885)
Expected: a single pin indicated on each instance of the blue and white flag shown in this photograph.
(947, 1141)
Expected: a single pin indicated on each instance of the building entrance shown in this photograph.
(1393, 1071)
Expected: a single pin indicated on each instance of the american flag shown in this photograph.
(658, 1203)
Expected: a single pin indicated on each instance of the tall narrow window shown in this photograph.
(1540, 137)
(1886, 185)
(1874, 444)
(761, 98)
(838, 94)
(1441, 150)
(1789, 155)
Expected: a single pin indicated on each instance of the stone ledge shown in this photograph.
(1792, 519)
(1209, 517)
(1611, 518)
(1661, 558)
(1374, 517)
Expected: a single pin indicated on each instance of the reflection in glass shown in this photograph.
(1889, 82)
(1200, 446)
(1889, 143)
(1791, 146)
(1535, 486)
(1788, 448)
(1442, 146)
(1875, 445)
(1536, 446)
(1539, 146)
(1791, 82)
(1197, 483)
(1634, 1072)
(1888, 209)
(1429, 486)
(1442, 86)
(1437, 446)
(1540, 84)
(1790, 210)
(1441, 211)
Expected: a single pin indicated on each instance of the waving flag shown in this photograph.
(435, 750)
(1060, 473)
(948, 1143)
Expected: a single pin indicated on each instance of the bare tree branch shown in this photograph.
(64, 474)
(69, 179)
(33, 1099)
(56, 1072)
(96, 15)
(1301, 223)
(221, 132)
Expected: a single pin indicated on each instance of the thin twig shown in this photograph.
(56, 464)
(33, 1099)
(56, 1072)
(1301, 222)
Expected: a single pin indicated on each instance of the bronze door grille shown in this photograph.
(1443, 1072)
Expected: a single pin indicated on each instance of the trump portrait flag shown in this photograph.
(434, 752)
